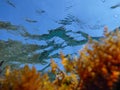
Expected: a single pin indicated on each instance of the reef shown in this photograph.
(97, 68)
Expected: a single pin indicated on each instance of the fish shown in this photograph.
(115, 6)
(10, 3)
(30, 20)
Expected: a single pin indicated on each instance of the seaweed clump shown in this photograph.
(97, 68)
(23, 79)
(99, 63)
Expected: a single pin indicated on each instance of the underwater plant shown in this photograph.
(99, 63)
(23, 79)
(97, 68)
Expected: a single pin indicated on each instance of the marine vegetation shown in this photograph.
(99, 63)
(97, 68)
